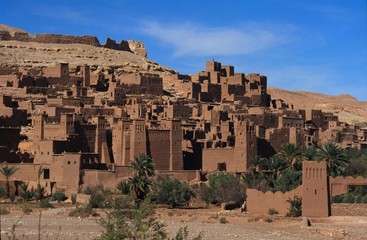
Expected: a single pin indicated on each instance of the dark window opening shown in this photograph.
(222, 166)
(46, 173)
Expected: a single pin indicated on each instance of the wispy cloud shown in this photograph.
(66, 14)
(189, 39)
(306, 78)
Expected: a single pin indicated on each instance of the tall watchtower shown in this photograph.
(315, 197)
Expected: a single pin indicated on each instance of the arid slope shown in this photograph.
(348, 108)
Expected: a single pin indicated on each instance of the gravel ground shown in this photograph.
(56, 224)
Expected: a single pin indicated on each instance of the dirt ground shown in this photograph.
(56, 224)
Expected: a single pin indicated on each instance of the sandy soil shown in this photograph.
(56, 224)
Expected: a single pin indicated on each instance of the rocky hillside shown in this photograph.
(18, 48)
(348, 108)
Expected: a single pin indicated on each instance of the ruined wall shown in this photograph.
(122, 46)
(260, 202)
(65, 39)
(136, 47)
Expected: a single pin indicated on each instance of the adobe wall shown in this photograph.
(276, 137)
(339, 185)
(109, 179)
(158, 147)
(9, 80)
(152, 84)
(186, 175)
(178, 111)
(260, 202)
(214, 156)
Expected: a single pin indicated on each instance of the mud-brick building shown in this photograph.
(231, 158)
(162, 142)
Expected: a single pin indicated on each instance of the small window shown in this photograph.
(68, 162)
(46, 173)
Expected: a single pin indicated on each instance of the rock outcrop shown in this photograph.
(13, 34)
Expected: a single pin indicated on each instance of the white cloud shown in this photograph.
(190, 39)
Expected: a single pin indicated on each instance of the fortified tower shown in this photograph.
(315, 197)
(245, 145)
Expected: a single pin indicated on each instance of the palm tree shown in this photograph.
(310, 153)
(139, 185)
(8, 172)
(336, 159)
(40, 191)
(291, 154)
(276, 164)
(140, 182)
(143, 165)
(255, 163)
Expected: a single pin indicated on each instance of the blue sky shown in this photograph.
(310, 45)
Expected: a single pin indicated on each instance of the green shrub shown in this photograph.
(223, 220)
(45, 203)
(97, 200)
(128, 219)
(25, 207)
(173, 192)
(288, 180)
(90, 190)
(348, 198)
(59, 197)
(225, 187)
(272, 211)
(73, 198)
(295, 209)
(24, 193)
(123, 187)
(205, 193)
(337, 198)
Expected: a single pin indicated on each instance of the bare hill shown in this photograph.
(11, 30)
(348, 108)
(33, 54)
